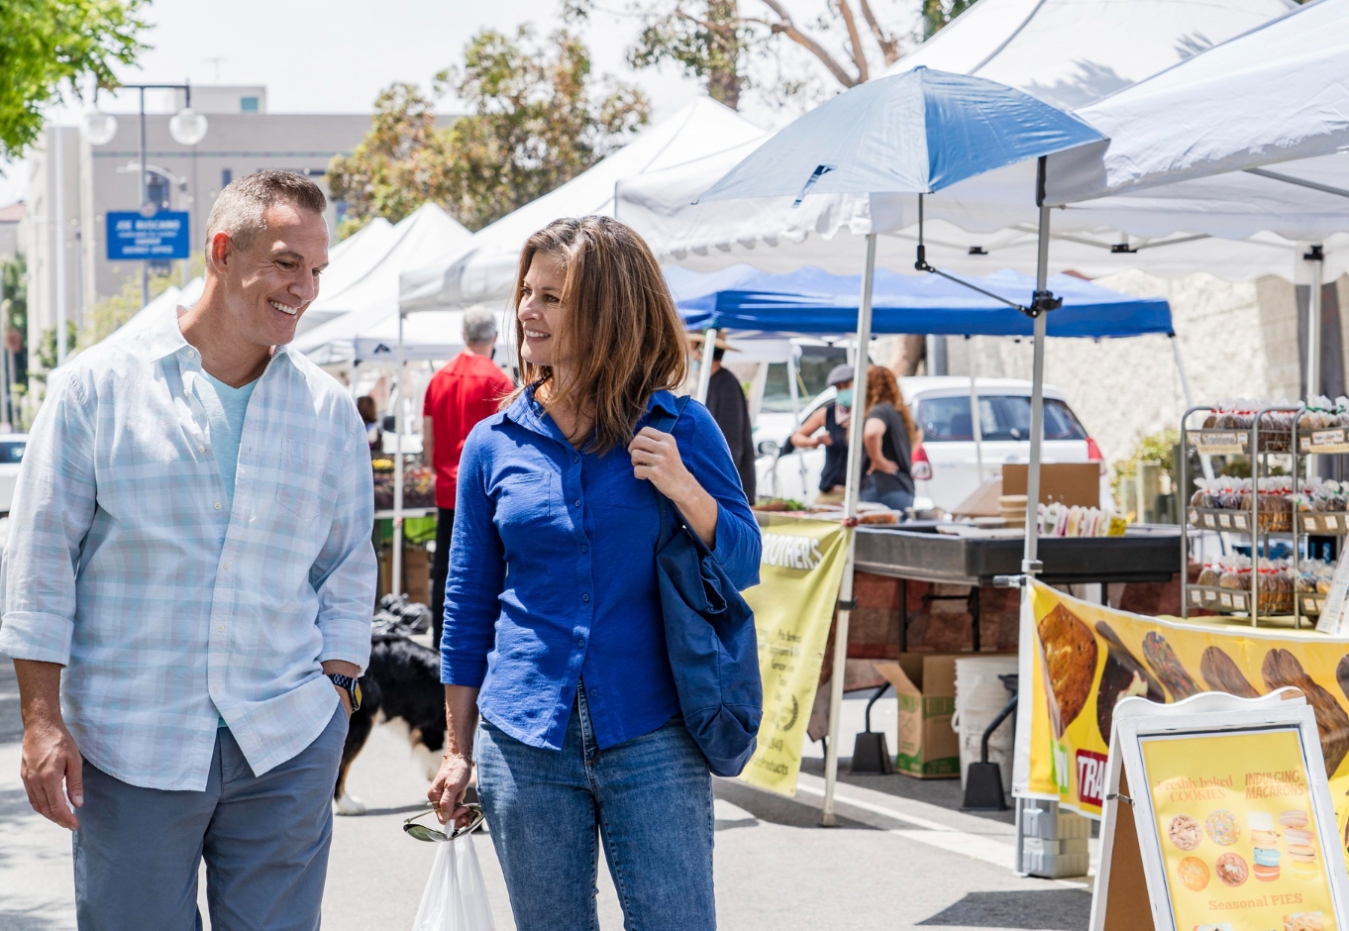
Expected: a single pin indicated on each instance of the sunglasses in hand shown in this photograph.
(424, 833)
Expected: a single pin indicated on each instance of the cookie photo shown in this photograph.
(1070, 664)
(1231, 869)
(1167, 666)
(1185, 832)
(1221, 674)
(1193, 873)
(1222, 827)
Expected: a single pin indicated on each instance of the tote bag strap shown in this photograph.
(664, 422)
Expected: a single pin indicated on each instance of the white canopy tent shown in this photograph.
(356, 307)
(483, 270)
(988, 222)
(1274, 94)
(348, 261)
(1071, 53)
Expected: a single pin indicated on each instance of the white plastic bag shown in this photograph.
(455, 897)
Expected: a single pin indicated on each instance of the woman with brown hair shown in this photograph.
(553, 624)
(888, 437)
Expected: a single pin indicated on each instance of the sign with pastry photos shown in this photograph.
(1079, 660)
(1238, 834)
(1219, 807)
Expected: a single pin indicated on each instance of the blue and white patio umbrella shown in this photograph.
(915, 133)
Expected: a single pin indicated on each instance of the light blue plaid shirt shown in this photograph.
(127, 564)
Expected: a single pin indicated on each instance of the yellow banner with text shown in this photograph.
(799, 576)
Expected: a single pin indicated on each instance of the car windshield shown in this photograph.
(1005, 417)
(813, 370)
(12, 453)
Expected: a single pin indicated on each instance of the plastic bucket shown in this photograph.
(980, 696)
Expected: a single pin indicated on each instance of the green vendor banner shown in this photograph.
(793, 604)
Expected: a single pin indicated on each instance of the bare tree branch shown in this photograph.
(786, 26)
(886, 40)
(859, 54)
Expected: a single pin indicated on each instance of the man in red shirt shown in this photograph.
(465, 391)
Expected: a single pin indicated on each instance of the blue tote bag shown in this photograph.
(709, 633)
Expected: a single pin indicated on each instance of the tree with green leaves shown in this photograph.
(537, 118)
(716, 40)
(47, 47)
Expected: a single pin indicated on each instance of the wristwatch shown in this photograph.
(352, 687)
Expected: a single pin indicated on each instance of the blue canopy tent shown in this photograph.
(811, 301)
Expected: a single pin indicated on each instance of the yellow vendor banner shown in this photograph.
(1080, 659)
(799, 576)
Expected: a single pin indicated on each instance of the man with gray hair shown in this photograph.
(465, 391)
(187, 590)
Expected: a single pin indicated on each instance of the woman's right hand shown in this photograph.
(448, 788)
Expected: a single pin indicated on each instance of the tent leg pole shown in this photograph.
(845, 592)
(1030, 562)
(396, 575)
(705, 367)
(1205, 462)
(1313, 259)
(976, 427)
(794, 393)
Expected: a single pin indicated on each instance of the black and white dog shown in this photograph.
(401, 687)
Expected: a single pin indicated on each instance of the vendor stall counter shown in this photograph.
(1144, 554)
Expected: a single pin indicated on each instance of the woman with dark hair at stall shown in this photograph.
(888, 438)
(558, 684)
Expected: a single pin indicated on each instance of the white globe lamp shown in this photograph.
(188, 127)
(99, 127)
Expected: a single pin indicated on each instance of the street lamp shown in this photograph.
(98, 127)
(187, 127)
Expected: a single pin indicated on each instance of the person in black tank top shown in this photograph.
(887, 438)
(833, 418)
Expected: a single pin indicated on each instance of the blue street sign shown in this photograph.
(162, 236)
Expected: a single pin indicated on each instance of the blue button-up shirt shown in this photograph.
(553, 574)
(169, 606)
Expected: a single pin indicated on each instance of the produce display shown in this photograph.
(419, 488)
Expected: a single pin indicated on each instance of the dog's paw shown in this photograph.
(349, 805)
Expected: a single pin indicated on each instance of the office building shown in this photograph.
(73, 185)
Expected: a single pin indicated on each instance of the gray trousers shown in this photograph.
(264, 838)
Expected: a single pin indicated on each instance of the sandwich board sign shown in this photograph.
(159, 237)
(1218, 817)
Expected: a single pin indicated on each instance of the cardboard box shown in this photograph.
(926, 685)
(416, 573)
(1070, 483)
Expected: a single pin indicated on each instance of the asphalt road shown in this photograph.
(902, 857)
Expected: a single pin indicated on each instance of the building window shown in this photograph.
(248, 105)
(226, 176)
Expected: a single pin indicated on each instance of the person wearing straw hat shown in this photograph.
(728, 407)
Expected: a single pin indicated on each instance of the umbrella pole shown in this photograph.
(396, 579)
(845, 592)
(976, 426)
(705, 370)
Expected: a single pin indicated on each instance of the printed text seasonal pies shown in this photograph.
(1070, 664)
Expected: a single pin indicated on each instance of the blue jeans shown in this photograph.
(897, 500)
(649, 800)
(264, 838)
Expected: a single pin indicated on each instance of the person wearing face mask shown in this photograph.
(558, 683)
(833, 418)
